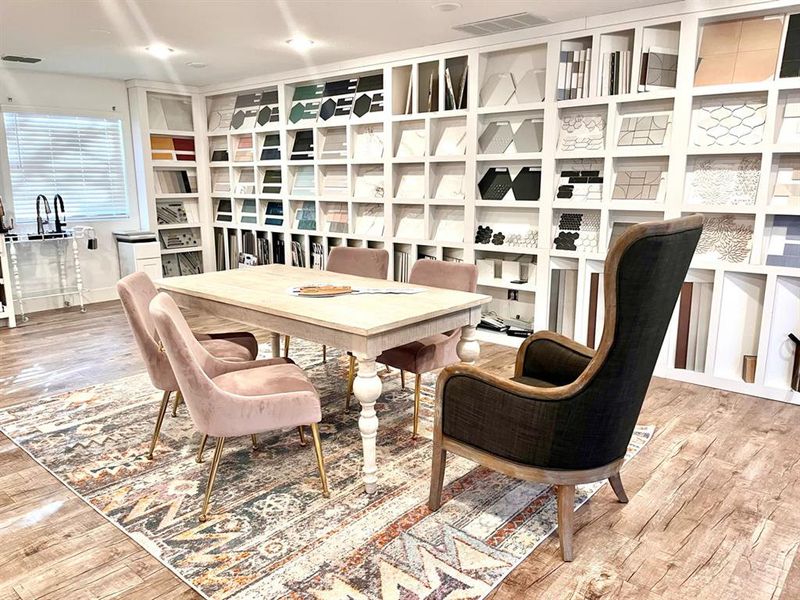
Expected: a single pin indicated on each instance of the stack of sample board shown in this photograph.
(694, 313)
(574, 66)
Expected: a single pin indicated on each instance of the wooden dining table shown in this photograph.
(364, 324)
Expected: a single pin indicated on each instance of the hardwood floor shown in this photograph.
(714, 506)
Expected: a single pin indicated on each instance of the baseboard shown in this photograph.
(89, 297)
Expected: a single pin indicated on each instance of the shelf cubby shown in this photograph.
(658, 63)
(447, 224)
(409, 221)
(449, 137)
(740, 310)
(784, 319)
(563, 296)
(785, 182)
(510, 134)
(615, 63)
(513, 76)
(639, 180)
(368, 219)
(693, 317)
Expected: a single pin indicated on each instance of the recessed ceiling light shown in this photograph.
(197, 65)
(159, 50)
(446, 6)
(300, 43)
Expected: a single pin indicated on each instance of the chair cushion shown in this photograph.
(275, 397)
(427, 354)
(532, 381)
(245, 339)
(227, 350)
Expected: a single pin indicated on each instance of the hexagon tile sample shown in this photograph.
(361, 105)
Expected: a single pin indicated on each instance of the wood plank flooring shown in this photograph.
(714, 508)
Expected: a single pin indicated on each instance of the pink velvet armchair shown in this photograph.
(227, 399)
(136, 291)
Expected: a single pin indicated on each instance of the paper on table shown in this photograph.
(295, 291)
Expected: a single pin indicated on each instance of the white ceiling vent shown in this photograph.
(501, 24)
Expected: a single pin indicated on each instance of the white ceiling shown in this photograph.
(242, 38)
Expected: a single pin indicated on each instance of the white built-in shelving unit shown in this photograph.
(406, 178)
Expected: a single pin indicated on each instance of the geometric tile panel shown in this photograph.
(723, 181)
(582, 132)
(729, 122)
(783, 245)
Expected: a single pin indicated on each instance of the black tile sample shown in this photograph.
(494, 185)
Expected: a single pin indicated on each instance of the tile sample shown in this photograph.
(723, 180)
(497, 90)
(303, 147)
(580, 185)
(728, 121)
(638, 185)
(527, 184)
(368, 96)
(790, 123)
(662, 68)
(577, 231)
(783, 241)
(650, 130)
(738, 51)
(786, 191)
(790, 64)
(337, 99)
(529, 135)
(271, 148)
(496, 137)
(582, 132)
(530, 87)
(269, 110)
(495, 183)
(726, 238)
(305, 102)
(220, 113)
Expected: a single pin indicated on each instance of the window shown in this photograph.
(81, 158)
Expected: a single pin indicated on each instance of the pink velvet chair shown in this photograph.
(136, 292)
(228, 399)
(362, 262)
(435, 351)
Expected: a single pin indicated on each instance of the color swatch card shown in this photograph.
(220, 180)
(271, 181)
(303, 146)
(243, 145)
(303, 184)
(368, 97)
(738, 51)
(305, 102)
(271, 147)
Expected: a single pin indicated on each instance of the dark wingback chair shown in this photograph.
(568, 414)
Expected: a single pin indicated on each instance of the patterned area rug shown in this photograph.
(270, 533)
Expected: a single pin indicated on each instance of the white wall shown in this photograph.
(69, 93)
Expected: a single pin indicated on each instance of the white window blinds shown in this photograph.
(81, 158)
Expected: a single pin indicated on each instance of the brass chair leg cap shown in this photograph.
(202, 518)
(149, 457)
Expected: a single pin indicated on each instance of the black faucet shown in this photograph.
(41, 200)
(61, 225)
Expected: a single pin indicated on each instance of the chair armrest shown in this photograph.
(552, 357)
(504, 417)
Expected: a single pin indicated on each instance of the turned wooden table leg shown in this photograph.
(367, 389)
(468, 347)
(275, 345)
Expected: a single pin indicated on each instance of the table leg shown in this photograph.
(367, 388)
(468, 348)
(275, 345)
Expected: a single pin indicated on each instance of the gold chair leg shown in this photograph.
(176, 403)
(566, 519)
(324, 353)
(402, 379)
(320, 462)
(417, 381)
(437, 477)
(254, 439)
(211, 476)
(202, 447)
(302, 435)
(159, 420)
(351, 375)
(286, 340)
